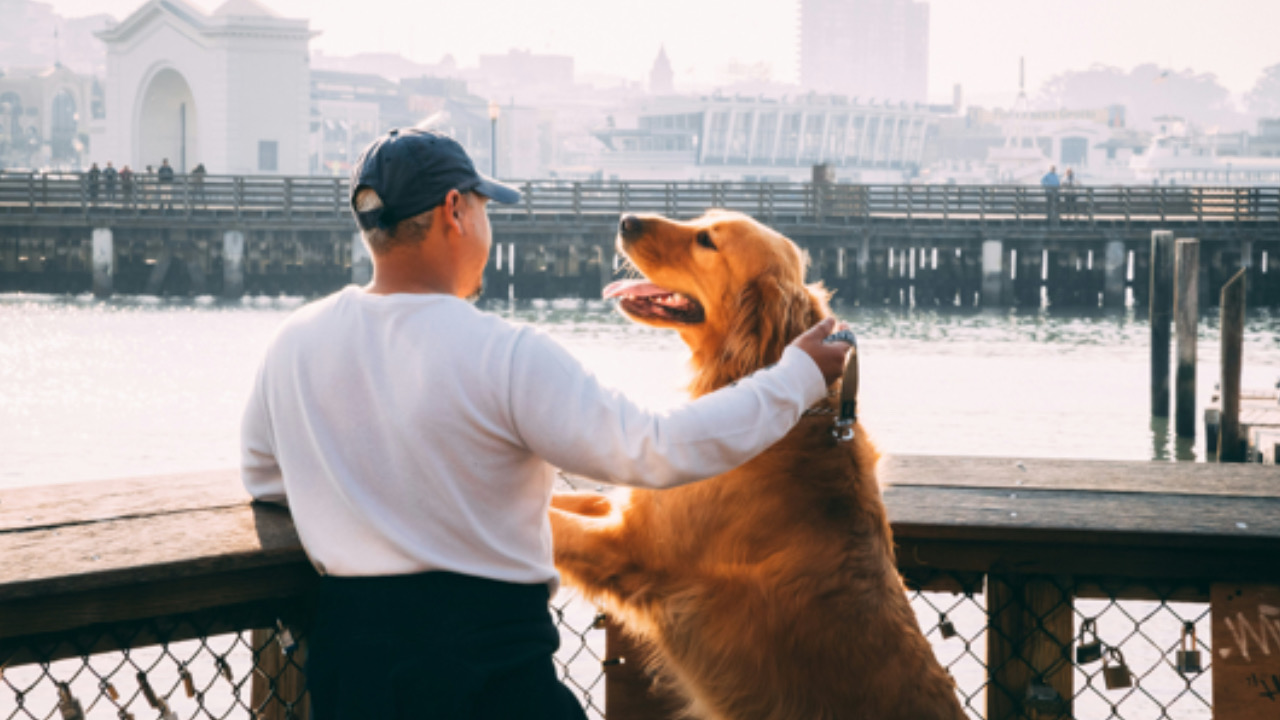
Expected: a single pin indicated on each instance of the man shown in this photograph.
(109, 178)
(414, 437)
(165, 177)
(1051, 182)
(1050, 179)
(94, 177)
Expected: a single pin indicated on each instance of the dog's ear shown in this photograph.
(769, 313)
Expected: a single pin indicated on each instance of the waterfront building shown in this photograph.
(46, 116)
(229, 90)
(869, 49)
(755, 138)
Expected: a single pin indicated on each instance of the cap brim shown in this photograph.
(496, 191)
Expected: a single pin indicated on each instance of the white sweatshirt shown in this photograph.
(413, 432)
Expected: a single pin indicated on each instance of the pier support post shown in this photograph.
(1114, 277)
(993, 273)
(1231, 446)
(104, 262)
(862, 288)
(1030, 631)
(1186, 322)
(361, 263)
(1161, 314)
(232, 264)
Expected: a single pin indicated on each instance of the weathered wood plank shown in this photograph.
(1103, 476)
(66, 504)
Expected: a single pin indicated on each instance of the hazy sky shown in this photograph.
(974, 42)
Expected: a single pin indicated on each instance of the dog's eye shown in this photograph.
(704, 239)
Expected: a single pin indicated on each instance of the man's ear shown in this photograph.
(453, 209)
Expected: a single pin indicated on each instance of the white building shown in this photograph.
(229, 90)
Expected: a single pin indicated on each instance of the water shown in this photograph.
(137, 386)
(93, 390)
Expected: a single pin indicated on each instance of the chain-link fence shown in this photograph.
(1018, 647)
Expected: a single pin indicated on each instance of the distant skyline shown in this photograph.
(973, 42)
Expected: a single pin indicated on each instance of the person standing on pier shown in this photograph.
(94, 177)
(109, 180)
(165, 177)
(1051, 182)
(415, 440)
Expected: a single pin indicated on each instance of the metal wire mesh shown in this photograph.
(190, 667)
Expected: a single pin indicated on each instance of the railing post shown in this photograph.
(279, 688)
(577, 199)
(237, 194)
(1029, 637)
(339, 200)
(288, 198)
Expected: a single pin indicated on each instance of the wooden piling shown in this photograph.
(104, 262)
(993, 273)
(361, 263)
(1230, 443)
(1161, 314)
(232, 264)
(278, 690)
(1116, 264)
(1186, 323)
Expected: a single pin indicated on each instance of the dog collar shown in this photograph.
(847, 414)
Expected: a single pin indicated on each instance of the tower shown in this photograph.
(661, 77)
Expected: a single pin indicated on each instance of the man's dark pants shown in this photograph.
(435, 645)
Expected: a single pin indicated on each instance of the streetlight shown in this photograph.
(493, 138)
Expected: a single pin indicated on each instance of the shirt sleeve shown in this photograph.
(259, 470)
(566, 417)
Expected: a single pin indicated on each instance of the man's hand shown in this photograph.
(828, 355)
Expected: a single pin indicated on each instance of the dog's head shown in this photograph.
(733, 288)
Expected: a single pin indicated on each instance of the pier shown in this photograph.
(177, 592)
(897, 245)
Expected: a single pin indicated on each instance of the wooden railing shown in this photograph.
(215, 196)
(104, 567)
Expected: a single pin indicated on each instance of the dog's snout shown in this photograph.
(630, 227)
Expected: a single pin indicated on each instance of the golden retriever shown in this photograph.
(769, 592)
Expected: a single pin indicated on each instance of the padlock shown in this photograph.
(945, 627)
(188, 682)
(125, 715)
(287, 645)
(223, 668)
(1088, 647)
(599, 622)
(1042, 698)
(1189, 655)
(68, 705)
(147, 692)
(105, 686)
(166, 712)
(1116, 675)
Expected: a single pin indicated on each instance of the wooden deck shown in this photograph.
(1259, 424)
(93, 555)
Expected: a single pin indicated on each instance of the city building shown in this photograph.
(754, 138)
(229, 90)
(662, 77)
(866, 49)
(46, 116)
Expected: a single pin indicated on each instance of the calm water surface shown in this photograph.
(137, 386)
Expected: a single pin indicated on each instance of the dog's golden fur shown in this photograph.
(769, 592)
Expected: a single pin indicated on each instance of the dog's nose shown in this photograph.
(630, 227)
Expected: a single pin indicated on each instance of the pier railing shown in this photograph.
(176, 597)
(218, 197)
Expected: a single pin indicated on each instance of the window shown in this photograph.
(267, 153)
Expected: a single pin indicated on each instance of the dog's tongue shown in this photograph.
(633, 288)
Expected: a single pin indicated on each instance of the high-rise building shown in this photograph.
(870, 49)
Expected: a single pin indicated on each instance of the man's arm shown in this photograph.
(567, 418)
(258, 467)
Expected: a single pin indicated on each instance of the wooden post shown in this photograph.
(361, 263)
(279, 690)
(993, 273)
(232, 264)
(1029, 639)
(1114, 268)
(1186, 322)
(104, 262)
(863, 286)
(1161, 314)
(629, 691)
(1231, 447)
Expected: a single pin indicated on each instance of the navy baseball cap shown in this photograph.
(413, 171)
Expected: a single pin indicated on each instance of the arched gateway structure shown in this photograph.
(229, 90)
